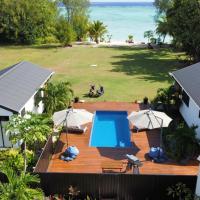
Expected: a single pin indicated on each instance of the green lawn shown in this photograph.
(127, 74)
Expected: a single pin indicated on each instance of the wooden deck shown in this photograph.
(90, 159)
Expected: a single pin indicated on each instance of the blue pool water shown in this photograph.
(110, 129)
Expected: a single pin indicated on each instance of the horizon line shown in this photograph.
(121, 1)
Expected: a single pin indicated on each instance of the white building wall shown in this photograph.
(191, 114)
(198, 185)
(30, 106)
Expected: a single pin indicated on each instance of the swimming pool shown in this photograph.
(110, 129)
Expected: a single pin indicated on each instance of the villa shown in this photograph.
(99, 170)
(187, 82)
(19, 87)
(87, 171)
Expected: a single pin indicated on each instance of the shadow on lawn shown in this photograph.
(150, 65)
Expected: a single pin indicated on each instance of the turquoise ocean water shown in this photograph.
(123, 19)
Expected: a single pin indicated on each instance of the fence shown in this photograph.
(114, 186)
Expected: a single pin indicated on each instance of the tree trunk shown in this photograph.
(97, 40)
(164, 39)
(25, 159)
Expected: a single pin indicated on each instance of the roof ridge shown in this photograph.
(13, 68)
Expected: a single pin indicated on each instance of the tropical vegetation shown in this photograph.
(25, 21)
(15, 159)
(77, 15)
(168, 97)
(148, 34)
(57, 96)
(180, 191)
(30, 129)
(181, 142)
(64, 32)
(28, 22)
(180, 19)
(18, 185)
(97, 30)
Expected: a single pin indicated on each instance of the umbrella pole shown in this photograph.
(67, 129)
(67, 136)
(161, 133)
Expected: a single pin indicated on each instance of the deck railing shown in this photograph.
(45, 157)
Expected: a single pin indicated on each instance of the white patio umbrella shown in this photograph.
(72, 117)
(149, 119)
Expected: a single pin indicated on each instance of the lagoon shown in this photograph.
(125, 18)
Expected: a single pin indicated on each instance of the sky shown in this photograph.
(121, 0)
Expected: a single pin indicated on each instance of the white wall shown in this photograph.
(198, 184)
(191, 114)
(30, 106)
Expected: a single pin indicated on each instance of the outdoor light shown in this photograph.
(198, 158)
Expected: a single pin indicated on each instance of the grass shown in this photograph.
(127, 74)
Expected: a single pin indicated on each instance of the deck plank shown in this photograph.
(90, 158)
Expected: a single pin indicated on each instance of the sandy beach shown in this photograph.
(113, 44)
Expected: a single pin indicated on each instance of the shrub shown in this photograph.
(64, 32)
(181, 142)
(14, 158)
(145, 100)
(76, 99)
(180, 191)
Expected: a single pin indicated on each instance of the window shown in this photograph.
(23, 112)
(185, 98)
(4, 118)
(37, 97)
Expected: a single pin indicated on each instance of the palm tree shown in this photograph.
(162, 27)
(29, 129)
(96, 30)
(167, 96)
(57, 96)
(148, 34)
(183, 142)
(18, 186)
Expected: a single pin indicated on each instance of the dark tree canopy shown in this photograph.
(24, 21)
(163, 5)
(76, 8)
(180, 19)
(184, 25)
(77, 16)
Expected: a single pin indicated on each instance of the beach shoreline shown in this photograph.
(112, 44)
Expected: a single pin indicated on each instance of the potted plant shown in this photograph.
(130, 38)
(145, 100)
(76, 99)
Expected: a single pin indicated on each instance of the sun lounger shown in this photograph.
(133, 160)
(76, 129)
(138, 128)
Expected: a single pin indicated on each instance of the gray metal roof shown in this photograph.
(189, 79)
(19, 82)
